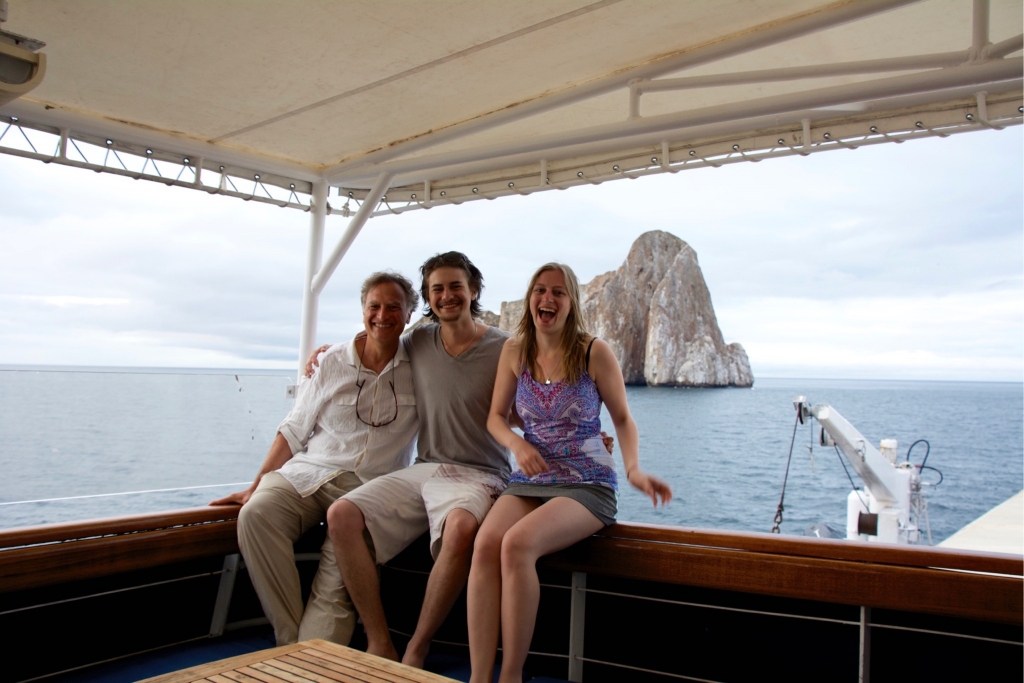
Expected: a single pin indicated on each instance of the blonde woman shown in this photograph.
(565, 489)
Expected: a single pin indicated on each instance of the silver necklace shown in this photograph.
(544, 370)
(476, 333)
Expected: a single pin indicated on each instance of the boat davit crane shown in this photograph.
(891, 508)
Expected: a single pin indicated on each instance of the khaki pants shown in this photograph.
(268, 525)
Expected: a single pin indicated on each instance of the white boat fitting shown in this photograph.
(891, 507)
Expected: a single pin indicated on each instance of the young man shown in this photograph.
(353, 421)
(459, 471)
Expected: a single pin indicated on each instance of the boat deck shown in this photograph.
(1000, 530)
(227, 658)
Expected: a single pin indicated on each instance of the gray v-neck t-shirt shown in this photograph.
(453, 399)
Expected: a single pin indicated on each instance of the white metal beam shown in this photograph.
(871, 66)
(979, 27)
(311, 296)
(1005, 47)
(358, 221)
(745, 41)
(757, 138)
(57, 118)
(937, 80)
(196, 184)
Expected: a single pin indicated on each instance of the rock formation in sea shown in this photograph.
(655, 312)
(486, 317)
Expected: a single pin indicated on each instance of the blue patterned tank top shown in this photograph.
(563, 422)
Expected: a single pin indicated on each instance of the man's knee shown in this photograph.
(345, 521)
(460, 529)
(261, 513)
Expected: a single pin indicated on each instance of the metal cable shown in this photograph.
(927, 452)
(122, 493)
(785, 478)
(852, 485)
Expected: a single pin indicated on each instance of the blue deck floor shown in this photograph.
(166, 660)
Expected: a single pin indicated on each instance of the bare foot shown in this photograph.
(415, 654)
(386, 650)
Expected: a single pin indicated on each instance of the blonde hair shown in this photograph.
(574, 336)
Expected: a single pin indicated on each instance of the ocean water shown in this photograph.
(68, 438)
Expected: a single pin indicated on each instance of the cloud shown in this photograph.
(66, 301)
(949, 337)
(891, 259)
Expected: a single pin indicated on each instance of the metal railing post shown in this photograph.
(864, 670)
(224, 593)
(577, 619)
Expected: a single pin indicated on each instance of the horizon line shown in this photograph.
(199, 370)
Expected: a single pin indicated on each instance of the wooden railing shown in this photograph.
(983, 586)
(32, 557)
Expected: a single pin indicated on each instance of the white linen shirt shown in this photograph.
(325, 433)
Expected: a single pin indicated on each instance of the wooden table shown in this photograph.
(310, 660)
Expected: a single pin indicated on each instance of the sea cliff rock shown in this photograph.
(485, 317)
(489, 318)
(655, 312)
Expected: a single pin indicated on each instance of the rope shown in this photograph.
(789, 458)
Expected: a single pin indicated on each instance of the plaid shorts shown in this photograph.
(400, 506)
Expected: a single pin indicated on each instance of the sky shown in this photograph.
(887, 262)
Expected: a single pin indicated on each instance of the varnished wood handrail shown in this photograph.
(52, 564)
(984, 597)
(71, 531)
(834, 549)
(901, 578)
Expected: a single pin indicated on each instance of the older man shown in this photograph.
(458, 473)
(353, 421)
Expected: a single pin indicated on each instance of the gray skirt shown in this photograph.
(601, 501)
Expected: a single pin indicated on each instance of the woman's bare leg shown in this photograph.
(483, 596)
(554, 525)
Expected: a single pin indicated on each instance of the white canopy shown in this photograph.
(476, 94)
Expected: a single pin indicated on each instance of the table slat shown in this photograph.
(264, 676)
(378, 666)
(240, 677)
(313, 660)
(331, 671)
(275, 668)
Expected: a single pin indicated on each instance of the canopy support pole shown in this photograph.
(373, 197)
(979, 28)
(311, 298)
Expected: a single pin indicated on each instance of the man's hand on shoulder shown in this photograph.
(609, 442)
(314, 360)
